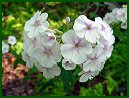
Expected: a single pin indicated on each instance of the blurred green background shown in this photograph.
(112, 80)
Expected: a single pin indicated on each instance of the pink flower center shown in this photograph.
(88, 27)
(48, 51)
(37, 23)
(77, 45)
(103, 27)
(34, 42)
(94, 58)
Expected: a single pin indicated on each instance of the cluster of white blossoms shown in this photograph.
(117, 14)
(40, 46)
(11, 41)
(88, 46)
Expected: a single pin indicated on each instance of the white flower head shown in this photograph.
(5, 48)
(75, 48)
(49, 72)
(105, 29)
(86, 28)
(124, 25)
(122, 14)
(114, 15)
(49, 38)
(88, 75)
(68, 65)
(94, 60)
(47, 56)
(108, 18)
(12, 40)
(37, 24)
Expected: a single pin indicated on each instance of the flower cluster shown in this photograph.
(11, 41)
(117, 14)
(40, 46)
(88, 45)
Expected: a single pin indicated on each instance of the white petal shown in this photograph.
(90, 37)
(109, 51)
(78, 57)
(33, 32)
(52, 72)
(102, 58)
(30, 51)
(69, 36)
(80, 33)
(29, 63)
(83, 78)
(80, 22)
(95, 66)
(47, 61)
(24, 57)
(36, 15)
(57, 56)
(28, 25)
(86, 48)
(43, 16)
(39, 67)
(86, 66)
(43, 27)
(67, 51)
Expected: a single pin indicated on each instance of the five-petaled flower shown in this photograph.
(37, 24)
(94, 60)
(86, 28)
(75, 48)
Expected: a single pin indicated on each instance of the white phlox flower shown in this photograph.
(75, 48)
(86, 28)
(37, 24)
(12, 40)
(94, 60)
(47, 56)
(105, 29)
(117, 15)
(108, 18)
(5, 48)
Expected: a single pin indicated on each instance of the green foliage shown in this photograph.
(96, 91)
(112, 85)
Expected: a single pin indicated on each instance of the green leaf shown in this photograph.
(112, 85)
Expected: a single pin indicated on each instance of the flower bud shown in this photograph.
(67, 19)
(124, 25)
